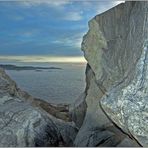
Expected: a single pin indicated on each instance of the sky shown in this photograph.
(51, 28)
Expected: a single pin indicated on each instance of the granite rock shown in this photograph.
(115, 48)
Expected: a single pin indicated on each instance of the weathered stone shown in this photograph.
(97, 129)
(113, 110)
(115, 48)
(26, 121)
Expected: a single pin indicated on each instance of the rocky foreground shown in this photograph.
(27, 121)
(113, 110)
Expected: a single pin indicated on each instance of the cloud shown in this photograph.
(73, 16)
(28, 34)
(55, 3)
(16, 17)
(72, 41)
(69, 42)
(58, 9)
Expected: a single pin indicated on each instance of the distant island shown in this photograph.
(14, 67)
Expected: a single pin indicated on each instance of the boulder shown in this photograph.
(26, 121)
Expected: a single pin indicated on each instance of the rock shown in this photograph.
(78, 110)
(97, 129)
(27, 122)
(115, 48)
(113, 109)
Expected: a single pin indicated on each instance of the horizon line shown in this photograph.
(42, 58)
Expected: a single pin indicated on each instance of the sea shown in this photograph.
(53, 85)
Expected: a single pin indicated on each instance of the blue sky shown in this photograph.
(51, 27)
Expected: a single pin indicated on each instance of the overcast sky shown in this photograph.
(46, 27)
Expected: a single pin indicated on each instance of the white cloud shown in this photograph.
(17, 17)
(73, 16)
(65, 42)
(58, 5)
(52, 3)
(28, 34)
(78, 42)
(73, 41)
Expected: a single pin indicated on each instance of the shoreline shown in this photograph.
(19, 68)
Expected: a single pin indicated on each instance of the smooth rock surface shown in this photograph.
(115, 48)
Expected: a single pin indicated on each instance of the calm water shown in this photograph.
(55, 86)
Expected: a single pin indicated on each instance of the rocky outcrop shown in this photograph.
(26, 121)
(115, 48)
(113, 110)
(96, 128)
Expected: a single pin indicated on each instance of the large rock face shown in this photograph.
(116, 48)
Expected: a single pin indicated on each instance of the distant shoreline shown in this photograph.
(19, 68)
